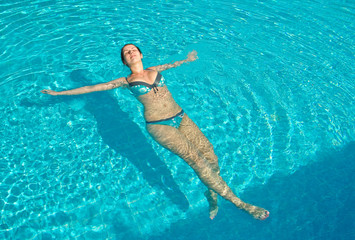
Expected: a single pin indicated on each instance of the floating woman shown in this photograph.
(170, 126)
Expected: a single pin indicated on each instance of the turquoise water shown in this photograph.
(273, 90)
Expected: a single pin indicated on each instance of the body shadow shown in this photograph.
(120, 133)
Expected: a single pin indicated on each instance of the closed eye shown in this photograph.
(131, 50)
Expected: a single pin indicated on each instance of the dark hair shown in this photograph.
(122, 56)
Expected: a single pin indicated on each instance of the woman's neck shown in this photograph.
(137, 68)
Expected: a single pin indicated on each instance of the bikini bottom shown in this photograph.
(173, 121)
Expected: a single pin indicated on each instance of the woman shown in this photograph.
(170, 126)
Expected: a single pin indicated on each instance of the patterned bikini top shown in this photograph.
(140, 88)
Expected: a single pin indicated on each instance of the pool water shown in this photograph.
(273, 89)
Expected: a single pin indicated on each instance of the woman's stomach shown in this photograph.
(159, 105)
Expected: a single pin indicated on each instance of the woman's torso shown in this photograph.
(156, 98)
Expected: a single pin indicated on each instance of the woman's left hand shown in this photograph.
(192, 56)
(50, 92)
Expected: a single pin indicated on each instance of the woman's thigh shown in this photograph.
(192, 132)
(173, 140)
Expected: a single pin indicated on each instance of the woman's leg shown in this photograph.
(172, 139)
(191, 131)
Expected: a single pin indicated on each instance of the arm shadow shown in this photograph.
(124, 136)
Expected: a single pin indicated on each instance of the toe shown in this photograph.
(265, 215)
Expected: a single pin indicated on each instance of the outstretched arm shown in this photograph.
(192, 56)
(88, 89)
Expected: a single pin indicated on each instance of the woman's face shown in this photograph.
(131, 54)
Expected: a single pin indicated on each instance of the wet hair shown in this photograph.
(122, 56)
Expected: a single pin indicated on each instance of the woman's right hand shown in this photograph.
(50, 92)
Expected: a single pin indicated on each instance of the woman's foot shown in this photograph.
(212, 200)
(257, 212)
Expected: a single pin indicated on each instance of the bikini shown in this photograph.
(139, 88)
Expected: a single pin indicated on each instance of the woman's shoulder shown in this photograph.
(118, 82)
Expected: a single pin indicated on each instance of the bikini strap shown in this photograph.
(157, 79)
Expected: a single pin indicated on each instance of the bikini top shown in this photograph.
(140, 88)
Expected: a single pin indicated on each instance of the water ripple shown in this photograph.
(273, 86)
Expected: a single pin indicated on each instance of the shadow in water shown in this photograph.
(124, 136)
(316, 202)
